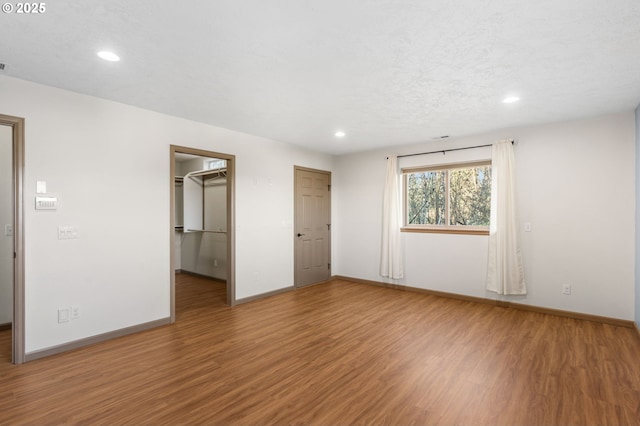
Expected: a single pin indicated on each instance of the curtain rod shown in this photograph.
(447, 150)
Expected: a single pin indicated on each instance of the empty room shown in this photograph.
(320, 212)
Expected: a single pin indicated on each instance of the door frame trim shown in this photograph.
(295, 221)
(17, 327)
(231, 220)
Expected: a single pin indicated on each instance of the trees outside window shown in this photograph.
(448, 197)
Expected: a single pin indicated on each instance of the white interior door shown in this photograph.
(312, 226)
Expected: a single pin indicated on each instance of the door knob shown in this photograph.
(300, 235)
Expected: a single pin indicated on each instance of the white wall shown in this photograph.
(6, 218)
(576, 182)
(637, 264)
(109, 165)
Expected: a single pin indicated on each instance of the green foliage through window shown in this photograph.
(455, 196)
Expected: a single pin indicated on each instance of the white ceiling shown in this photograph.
(386, 72)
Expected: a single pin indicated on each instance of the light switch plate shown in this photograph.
(8, 230)
(46, 203)
(63, 315)
(41, 187)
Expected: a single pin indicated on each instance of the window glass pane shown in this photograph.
(216, 164)
(470, 195)
(426, 198)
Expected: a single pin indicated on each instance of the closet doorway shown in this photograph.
(202, 218)
(11, 238)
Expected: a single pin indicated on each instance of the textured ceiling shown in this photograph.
(386, 72)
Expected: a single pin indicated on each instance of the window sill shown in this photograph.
(445, 230)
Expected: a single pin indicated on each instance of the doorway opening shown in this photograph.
(12, 235)
(312, 224)
(202, 219)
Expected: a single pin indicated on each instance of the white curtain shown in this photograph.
(505, 274)
(391, 259)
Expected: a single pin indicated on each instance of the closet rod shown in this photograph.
(447, 150)
(206, 172)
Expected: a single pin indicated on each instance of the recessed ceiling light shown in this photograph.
(108, 56)
(510, 99)
(340, 134)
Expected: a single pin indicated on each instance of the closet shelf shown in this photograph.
(207, 230)
(208, 174)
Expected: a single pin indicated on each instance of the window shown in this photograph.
(451, 198)
(215, 164)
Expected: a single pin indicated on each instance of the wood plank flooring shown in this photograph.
(336, 353)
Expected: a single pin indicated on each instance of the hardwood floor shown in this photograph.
(336, 353)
